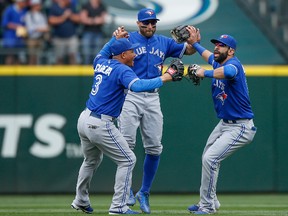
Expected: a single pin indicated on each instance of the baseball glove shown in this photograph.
(180, 34)
(176, 69)
(192, 74)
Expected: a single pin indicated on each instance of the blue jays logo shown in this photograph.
(150, 12)
(222, 96)
(160, 68)
(170, 12)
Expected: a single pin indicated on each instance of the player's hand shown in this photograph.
(194, 35)
(120, 32)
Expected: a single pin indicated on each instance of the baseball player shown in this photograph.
(143, 109)
(232, 105)
(96, 128)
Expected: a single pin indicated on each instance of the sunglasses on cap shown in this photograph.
(220, 44)
(147, 22)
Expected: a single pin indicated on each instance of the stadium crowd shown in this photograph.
(72, 31)
(51, 31)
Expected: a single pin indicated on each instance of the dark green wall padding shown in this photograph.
(188, 120)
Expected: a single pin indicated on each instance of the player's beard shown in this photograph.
(147, 32)
(221, 57)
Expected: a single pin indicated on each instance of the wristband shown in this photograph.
(198, 48)
(209, 73)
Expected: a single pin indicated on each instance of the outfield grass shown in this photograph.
(235, 205)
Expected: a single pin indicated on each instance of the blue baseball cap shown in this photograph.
(227, 40)
(121, 45)
(146, 14)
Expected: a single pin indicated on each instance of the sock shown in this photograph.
(151, 163)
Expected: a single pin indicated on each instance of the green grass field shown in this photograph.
(238, 205)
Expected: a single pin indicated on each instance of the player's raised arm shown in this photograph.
(194, 41)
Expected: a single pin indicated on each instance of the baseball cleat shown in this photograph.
(200, 212)
(193, 208)
(217, 204)
(129, 211)
(143, 198)
(86, 209)
(132, 199)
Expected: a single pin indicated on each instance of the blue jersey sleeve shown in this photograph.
(146, 84)
(104, 52)
(175, 50)
(126, 76)
(230, 71)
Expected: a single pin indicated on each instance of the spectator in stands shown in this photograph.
(14, 31)
(76, 3)
(64, 19)
(93, 16)
(37, 27)
(3, 5)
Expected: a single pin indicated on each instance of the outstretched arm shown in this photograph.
(224, 72)
(141, 85)
(174, 72)
(193, 40)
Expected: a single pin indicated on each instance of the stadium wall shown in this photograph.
(40, 150)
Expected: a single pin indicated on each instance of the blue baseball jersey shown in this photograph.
(111, 81)
(152, 52)
(12, 15)
(231, 96)
(111, 78)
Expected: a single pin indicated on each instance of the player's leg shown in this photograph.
(117, 149)
(92, 159)
(87, 169)
(233, 137)
(129, 121)
(151, 131)
(211, 139)
(206, 203)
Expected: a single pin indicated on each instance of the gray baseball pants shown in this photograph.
(225, 139)
(142, 109)
(98, 137)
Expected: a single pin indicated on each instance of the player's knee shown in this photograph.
(156, 150)
(131, 145)
(133, 158)
(93, 162)
(130, 160)
(211, 162)
(206, 159)
(131, 142)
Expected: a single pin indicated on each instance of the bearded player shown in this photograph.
(143, 109)
(232, 105)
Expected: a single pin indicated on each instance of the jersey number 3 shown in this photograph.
(98, 80)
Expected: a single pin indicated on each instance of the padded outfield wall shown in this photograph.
(39, 107)
(40, 150)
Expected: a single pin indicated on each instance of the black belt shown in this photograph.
(103, 117)
(153, 90)
(234, 121)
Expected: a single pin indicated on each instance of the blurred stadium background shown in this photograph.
(39, 145)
